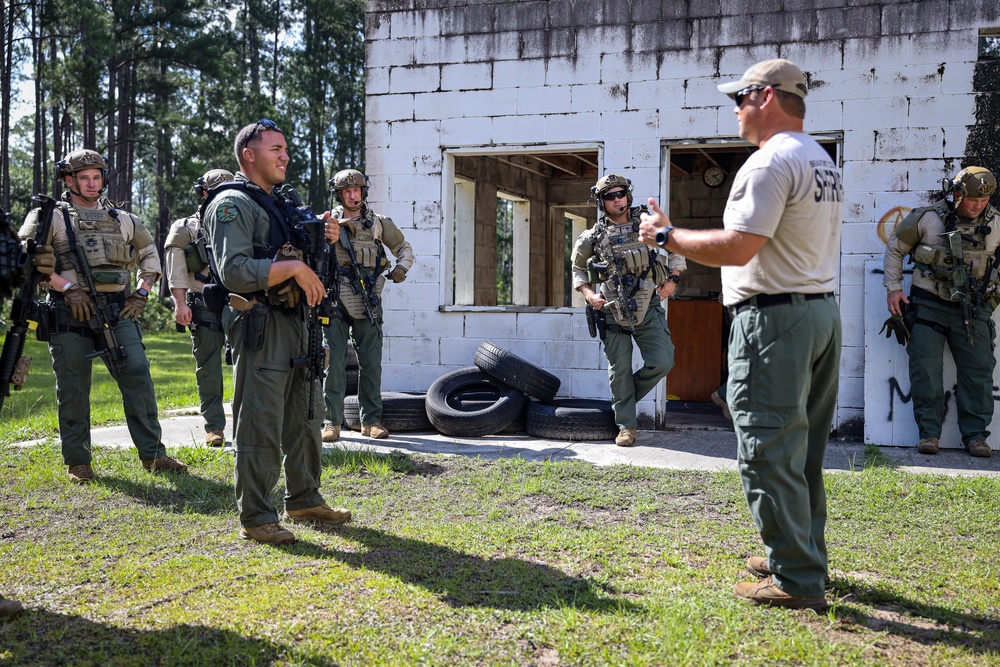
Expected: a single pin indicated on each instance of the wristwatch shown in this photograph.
(143, 292)
(663, 235)
(674, 278)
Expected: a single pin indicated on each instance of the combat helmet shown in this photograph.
(80, 160)
(349, 178)
(607, 183)
(974, 182)
(212, 179)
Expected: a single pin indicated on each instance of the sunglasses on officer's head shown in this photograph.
(267, 124)
(617, 194)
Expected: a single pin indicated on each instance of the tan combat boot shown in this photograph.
(165, 464)
(928, 446)
(269, 533)
(375, 430)
(81, 474)
(323, 513)
(331, 433)
(215, 439)
(766, 592)
(979, 449)
(626, 437)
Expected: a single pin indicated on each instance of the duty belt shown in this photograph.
(769, 300)
(921, 293)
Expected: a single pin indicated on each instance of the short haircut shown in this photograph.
(251, 133)
(791, 103)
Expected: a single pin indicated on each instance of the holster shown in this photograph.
(254, 326)
(43, 315)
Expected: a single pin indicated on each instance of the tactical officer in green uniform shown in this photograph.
(249, 226)
(188, 269)
(955, 249)
(633, 279)
(12, 277)
(113, 242)
(358, 312)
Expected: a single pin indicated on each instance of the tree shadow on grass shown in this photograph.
(884, 610)
(41, 637)
(465, 580)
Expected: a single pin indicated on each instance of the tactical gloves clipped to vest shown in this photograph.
(79, 303)
(134, 303)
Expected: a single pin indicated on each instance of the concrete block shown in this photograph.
(471, 76)
(414, 134)
(824, 116)
(486, 103)
(956, 77)
(515, 15)
(943, 110)
(438, 49)
(414, 24)
(576, 13)
(691, 123)
(618, 157)
(956, 45)
(955, 141)
(593, 40)
(868, 52)
(418, 351)
(436, 105)
(377, 26)
(851, 393)
(525, 74)
(628, 66)
(546, 100)
(903, 143)
(545, 43)
(591, 97)
(874, 113)
(860, 238)
(571, 354)
(414, 78)
(407, 186)
(518, 129)
(875, 176)
(542, 326)
(852, 270)
(401, 54)
(703, 91)
(427, 216)
(459, 352)
(435, 324)
(376, 81)
(837, 23)
(589, 384)
(732, 61)
(842, 85)
(784, 27)
(398, 377)
(859, 206)
(853, 329)
(482, 326)
(376, 134)
(572, 127)
(422, 377)
(858, 145)
(467, 132)
(907, 79)
(718, 31)
(573, 71)
(629, 124)
(492, 47)
(390, 107)
(477, 18)
(662, 37)
(426, 243)
(852, 301)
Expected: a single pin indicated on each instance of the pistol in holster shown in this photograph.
(255, 326)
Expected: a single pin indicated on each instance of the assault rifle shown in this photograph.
(613, 272)
(364, 283)
(311, 232)
(962, 286)
(103, 320)
(23, 311)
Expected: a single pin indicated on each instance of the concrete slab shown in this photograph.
(692, 444)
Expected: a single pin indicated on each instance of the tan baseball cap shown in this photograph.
(780, 73)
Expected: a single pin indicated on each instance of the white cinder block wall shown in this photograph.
(895, 80)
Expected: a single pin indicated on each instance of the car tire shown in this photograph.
(572, 419)
(401, 411)
(516, 372)
(447, 417)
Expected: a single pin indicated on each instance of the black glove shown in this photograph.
(398, 274)
(79, 303)
(895, 325)
(134, 303)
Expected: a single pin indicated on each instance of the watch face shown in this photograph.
(142, 291)
(713, 176)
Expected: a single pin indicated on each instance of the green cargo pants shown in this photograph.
(784, 367)
(657, 350)
(275, 430)
(73, 373)
(941, 323)
(368, 346)
(207, 345)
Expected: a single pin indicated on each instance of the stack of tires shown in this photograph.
(495, 396)
(352, 372)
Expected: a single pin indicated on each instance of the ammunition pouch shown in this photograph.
(214, 297)
(196, 255)
(936, 261)
(255, 323)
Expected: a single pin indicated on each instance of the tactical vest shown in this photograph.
(189, 237)
(370, 253)
(109, 256)
(937, 262)
(645, 268)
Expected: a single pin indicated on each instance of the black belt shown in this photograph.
(921, 293)
(768, 300)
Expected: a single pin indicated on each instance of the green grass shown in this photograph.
(31, 412)
(455, 561)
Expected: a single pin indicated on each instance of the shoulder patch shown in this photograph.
(226, 212)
